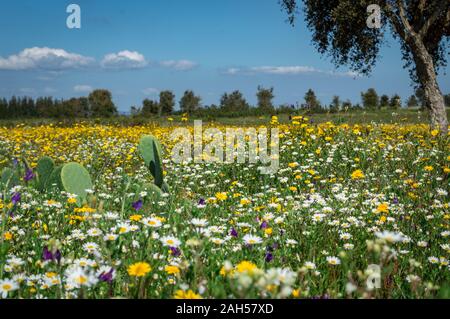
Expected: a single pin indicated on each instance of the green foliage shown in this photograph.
(149, 107)
(151, 152)
(54, 180)
(75, 180)
(335, 104)
(265, 99)
(412, 101)
(384, 100)
(166, 102)
(447, 100)
(312, 104)
(44, 170)
(233, 102)
(370, 99)
(395, 102)
(101, 104)
(189, 102)
(9, 178)
(153, 191)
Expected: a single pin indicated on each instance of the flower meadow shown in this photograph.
(345, 199)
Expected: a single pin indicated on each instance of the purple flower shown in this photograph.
(137, 205)
(48, 255)
(29, 175)
(395, 201)
(264, 225)
(175, 251)
(15, 198)
(268, 257)
(233, 232)
(106, 276)
(201, 202)
(15, 162)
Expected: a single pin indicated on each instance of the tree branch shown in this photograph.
(442, 4)
(398, 26)
(403, 17)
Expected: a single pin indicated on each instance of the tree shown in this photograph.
(190, 102)
(135, 111)
(101, 104)
(370, 99)
(311, 102)
(447, 100)
(265, 98)
(420, 94)
(347, 105)
(149, 108)
(233, 102)
(166, 102)
(335, 104)
(384, 100)
(422, 27)
(395, 102)
(3, 108)
(412, 101)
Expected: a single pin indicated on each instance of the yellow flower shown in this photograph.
(221, 196)
(296, 293)
(434, 133)
(136, 218)
(268, 231)
(428, 168)
(71, 200)
(172, 270)
(139, 269)
(7, 236)
(383, 208)
(358, 174)
(245, 201)
(181, 294)
(246, 267)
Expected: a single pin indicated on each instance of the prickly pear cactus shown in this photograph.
(44, 170)
(151, 152)
(9, 178)
(54, 181)
(153, 191)
(75, 180)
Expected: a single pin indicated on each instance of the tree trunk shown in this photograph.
(426, 74)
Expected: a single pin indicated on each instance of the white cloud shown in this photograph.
(44, 58)
(82, 88)
(124, 60)
(297, 69)
(286, 70)
(179, 65)
(150, 91)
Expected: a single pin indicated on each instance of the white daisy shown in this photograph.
(252, 239)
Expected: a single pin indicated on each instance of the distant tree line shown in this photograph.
(99, 104)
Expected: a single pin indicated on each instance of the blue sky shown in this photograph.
(137, 48)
